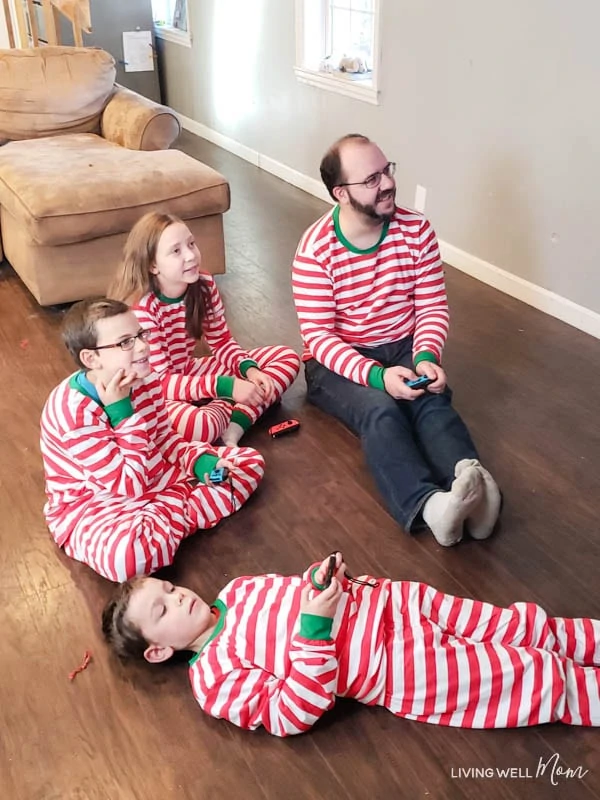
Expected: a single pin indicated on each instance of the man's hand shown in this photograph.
(117, 387)
(264, 383)
(321, 604)
(246, 392)
(340, 569)
(436, 373)
(394, 380)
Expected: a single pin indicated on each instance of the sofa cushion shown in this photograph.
(71, 188)
(47, 91)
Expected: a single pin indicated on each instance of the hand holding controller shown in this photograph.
(330, 570)
(218, 475)
(419, 383)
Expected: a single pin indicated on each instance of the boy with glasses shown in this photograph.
(123, 488)
(369, 292)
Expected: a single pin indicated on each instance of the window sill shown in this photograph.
(170, 34)
(360, 90)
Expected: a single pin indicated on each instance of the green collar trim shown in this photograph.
(164, 299)
(348, 245)
(222, 608)
(74, 384)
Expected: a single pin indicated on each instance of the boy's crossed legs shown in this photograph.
(141, 536)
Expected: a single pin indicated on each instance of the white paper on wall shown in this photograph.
(138, 54)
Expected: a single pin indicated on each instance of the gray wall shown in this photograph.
(492, 107)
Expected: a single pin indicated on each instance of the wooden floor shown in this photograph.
(528, 387)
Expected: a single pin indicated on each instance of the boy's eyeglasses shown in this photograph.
(129, 343)
(375, 179)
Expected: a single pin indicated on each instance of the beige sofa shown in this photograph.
(82, 160)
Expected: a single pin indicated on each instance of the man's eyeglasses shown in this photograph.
(375, 179)
(129, 343)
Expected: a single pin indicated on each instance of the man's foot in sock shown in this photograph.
(480, 524)
(446, 512)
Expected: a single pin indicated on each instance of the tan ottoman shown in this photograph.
(68, 203)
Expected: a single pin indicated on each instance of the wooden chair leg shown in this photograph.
(56, 16)
(49, 23)
(77, 34)
(33, 27)
(22, 25)
(9, 25)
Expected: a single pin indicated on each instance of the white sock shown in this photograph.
(232, 434)
(445, 512)
(480, 523)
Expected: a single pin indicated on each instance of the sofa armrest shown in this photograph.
(137, 123)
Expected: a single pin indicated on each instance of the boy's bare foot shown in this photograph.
(446, 512)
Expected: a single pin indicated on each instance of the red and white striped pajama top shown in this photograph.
(420, 653)
(186, 379)
(122, 499)
(347, 299)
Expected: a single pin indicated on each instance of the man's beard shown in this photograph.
(370, 209)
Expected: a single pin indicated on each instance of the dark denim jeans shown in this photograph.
(411, 447)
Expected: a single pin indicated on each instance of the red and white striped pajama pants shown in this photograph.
(138, 536)
(207, 423)
(454, 661)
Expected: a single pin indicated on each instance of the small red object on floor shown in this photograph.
(87, 657)
(24, 344)
(289, 426)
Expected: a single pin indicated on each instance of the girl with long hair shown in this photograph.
(218, 396)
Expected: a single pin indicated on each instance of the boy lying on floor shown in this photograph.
(276, 651)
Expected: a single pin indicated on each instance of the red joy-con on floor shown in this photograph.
(289, 426)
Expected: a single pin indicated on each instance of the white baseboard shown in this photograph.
(287, 174)
(544, 300)
(309, 185)
(219, 139)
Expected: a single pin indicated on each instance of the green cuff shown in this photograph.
(225, 386)
(243, 420)
(425, 355)
(119, 411)
(245, 366)
(315, 628)
(318, 586)
(375, 378)
(204, 465)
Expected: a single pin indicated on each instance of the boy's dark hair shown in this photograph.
(331, 163)
(124, 638)
(79, 325)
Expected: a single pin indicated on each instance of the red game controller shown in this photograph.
(289, 426)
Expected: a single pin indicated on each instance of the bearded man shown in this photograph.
(370, 296)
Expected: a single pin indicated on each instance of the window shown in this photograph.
(171, 20)
(337, 45)
(350, 29)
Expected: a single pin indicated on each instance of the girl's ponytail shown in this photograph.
(197, 306)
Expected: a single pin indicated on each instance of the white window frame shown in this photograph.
(311, 17)
(176, 35)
